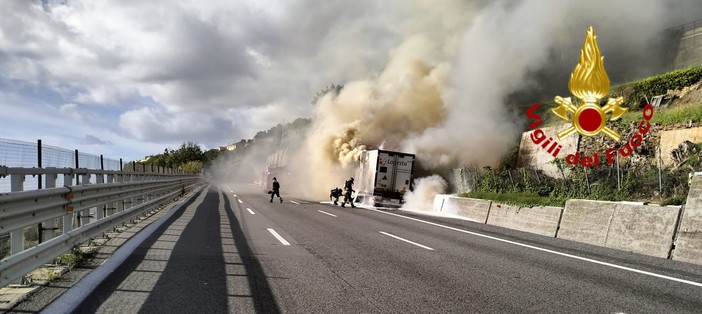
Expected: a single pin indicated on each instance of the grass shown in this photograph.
(76, 257)
(670, 116)
(662, 116)
(516, 198)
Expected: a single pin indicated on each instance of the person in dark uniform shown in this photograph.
(276, 190)
(348, 190)
(335, 194)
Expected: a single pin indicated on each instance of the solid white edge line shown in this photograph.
(643, 272)
(240, 202)
(408, 241)
(323, 212)
(250, 211)
(277, 236)
(295, 202)
(74, 296)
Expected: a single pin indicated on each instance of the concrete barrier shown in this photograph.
(541, 220)
(473, 209)
(633, 227)
(586, 221)
(630, 227)
(643, 229)
(439, 201)
(688, 242)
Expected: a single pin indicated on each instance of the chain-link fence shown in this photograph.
(21, 154)
(27, 155)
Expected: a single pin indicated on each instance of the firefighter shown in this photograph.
(276, 190)
(348, 190)
(335, 194)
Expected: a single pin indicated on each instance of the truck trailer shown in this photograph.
(383, 177)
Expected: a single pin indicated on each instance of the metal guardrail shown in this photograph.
(104, 200)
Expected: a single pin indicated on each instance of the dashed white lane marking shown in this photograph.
(277, 236)
(408, 241)
(295, 202)
(323, 212)
(240, 202)
(693, 283)
(250, 211)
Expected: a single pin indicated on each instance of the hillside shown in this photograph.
(657, 170)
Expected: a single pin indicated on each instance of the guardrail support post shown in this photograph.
(50, 225)
(86, 213)
(68, 217)
(17, 236)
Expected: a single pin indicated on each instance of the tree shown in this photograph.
(336, 89)
(191, 167)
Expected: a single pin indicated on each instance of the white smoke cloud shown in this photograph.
(427, 77)
(445, 96)
(422, 198)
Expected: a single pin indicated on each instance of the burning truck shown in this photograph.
(382, 178)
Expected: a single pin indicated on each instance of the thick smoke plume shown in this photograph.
(447, 91)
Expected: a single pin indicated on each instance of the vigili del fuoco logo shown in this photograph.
(589, 84)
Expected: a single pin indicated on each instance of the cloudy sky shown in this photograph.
(129, 78)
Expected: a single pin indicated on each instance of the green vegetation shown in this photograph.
(674, 200)
(517, 198)
(188, 158)
(667, 116)
(76, 257)
(527, 187)
(636, 93)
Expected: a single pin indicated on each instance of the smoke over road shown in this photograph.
(451, 88)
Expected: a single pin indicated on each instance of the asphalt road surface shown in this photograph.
(231, 251)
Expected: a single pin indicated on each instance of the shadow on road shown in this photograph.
(181, 268)
(264, 302)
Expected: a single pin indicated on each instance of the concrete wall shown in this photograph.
(629, 227)
(586, 221)
(624, 226)
(643, 229)
(541, 220)
(688, 243)
(473, 209)
(672, 138)
(535, 156)
(690, 48)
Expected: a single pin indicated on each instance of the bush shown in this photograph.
(517, 198)
(636, 93)
(674, 200)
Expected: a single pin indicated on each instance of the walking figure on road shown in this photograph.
(276, 190)
(348, 190)
(335, 194)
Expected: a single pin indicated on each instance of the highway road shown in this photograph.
(230, 250)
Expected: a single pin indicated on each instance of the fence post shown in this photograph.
(16, 236)
(50, 225)
(77, 166)
(660, 174)
(619, 180)
(68, 217)
(40, 228)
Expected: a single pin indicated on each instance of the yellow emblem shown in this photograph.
(589, 83)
